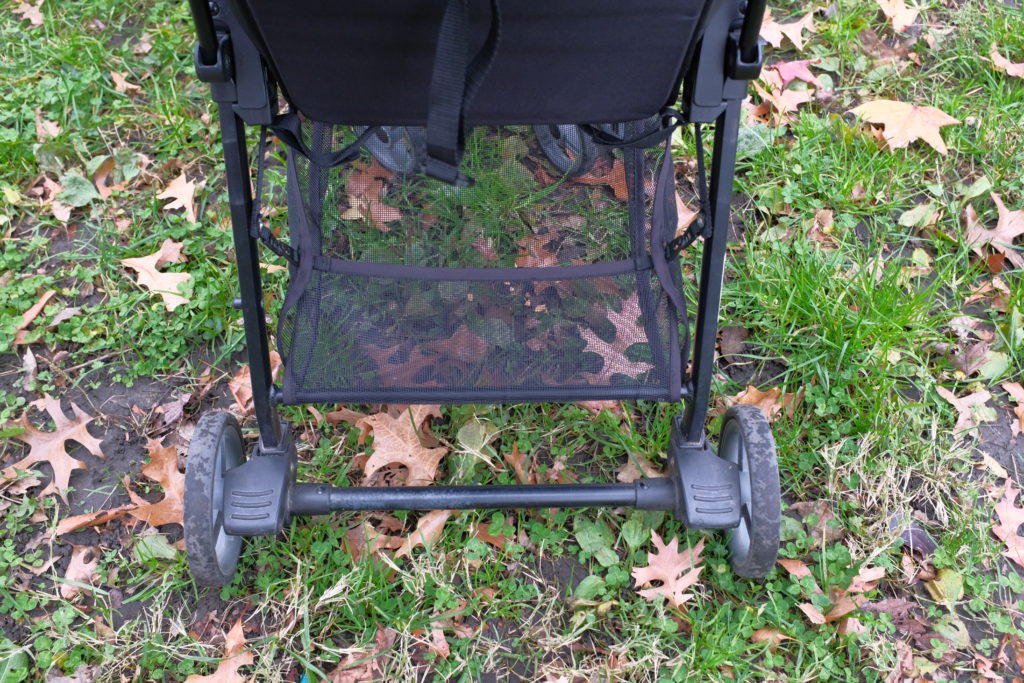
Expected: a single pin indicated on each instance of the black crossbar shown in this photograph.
(321, 499)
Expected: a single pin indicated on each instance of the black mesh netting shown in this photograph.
(538, 282)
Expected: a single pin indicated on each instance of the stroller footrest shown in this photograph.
(707, 488)
(256, 495)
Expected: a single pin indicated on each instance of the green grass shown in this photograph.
(848, 327)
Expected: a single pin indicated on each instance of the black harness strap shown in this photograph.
(256, 228)
(701, 227)
(454, 83)
(288, 128)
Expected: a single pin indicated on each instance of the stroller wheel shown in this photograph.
(400, 149)
(570, 150)
(216, 447)
(746, 439)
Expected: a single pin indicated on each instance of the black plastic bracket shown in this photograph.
(256, 493)
(740, 67)
(220, 70)
(707, 486)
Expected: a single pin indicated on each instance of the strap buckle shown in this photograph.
(447, 172)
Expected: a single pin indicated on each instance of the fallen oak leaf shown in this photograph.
(773, 32)
(1011, 516)
(182, 192)
(1009, 226)
(235, 657)
(905, 122)
(30, 315)
(398, 441)
(167, 285)
(771, 636)
(797, 69)
(240, 385)
(163, 469)
(898, 13)
(784, 102)
(677, 571)
(1016, 392)
(122, 85)
(33, 13)
(971, 410)
(428, 530)
(614, 177)
(1005, 65)
(81, 570)
(813, 614)
(50, 447)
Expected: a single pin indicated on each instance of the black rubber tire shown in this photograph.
(571, 151)
(215, 448)
(746, 439)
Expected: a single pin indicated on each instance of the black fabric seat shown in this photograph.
(600, 61)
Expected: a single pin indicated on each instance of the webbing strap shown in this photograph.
(256, 228)
(454, 82)
(288, 128)
(667, 122)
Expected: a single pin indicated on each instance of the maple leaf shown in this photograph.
(183, 193)
(33, 13)
(81, 569)
(397, 441)
(627, 333)
(971, 410)
(1010, 518)
(1016, 392)
(428, 530)
(1005, 65)
(795, 70)
(905, 122)
(520, 466)
(773, 32)
(898, 13)
(677, 571)
(235, 657)
(164, 284)
(49, 447)
(1009, 226)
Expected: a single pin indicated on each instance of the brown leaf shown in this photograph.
(905, 122)
(798, 570)
(428, 530)
(813, 614)
(768, 401)
(731, 338)
(635, 468)
(866, 579)
(81, 569)
(463, 345)
(365, 187)
(684, 216)
(995, 291)
(365, 540)
(183, 193)
(397, 441)
(784, 102)
(769, 635)
(614, 177)
(518, 462)
(898, 13)
(795, 70)
(1005, 65)
(598, 407)
(49, 447)
(534, 252)
(122, 85)
(32, 13)
(880, 51)
(363, 666)
(823, 532)
(101, 178)
(1010, 225)
(45, 130)
(969, 409)
(30, 315)
(163, 469)
(1010, 518)
(240, 385)
(165, 284)
(773, 32)
(1016, 392)
(628, 331)
(236, 656)
(677, 571)
(821, 228)
(343, 414)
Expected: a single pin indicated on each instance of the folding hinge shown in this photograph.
(740, 67)
(221, 70)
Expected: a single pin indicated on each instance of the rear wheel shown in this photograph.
(746, 440)
(216, 447)
(571, 151)
(400, 149)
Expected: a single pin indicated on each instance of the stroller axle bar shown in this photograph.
(320, 499)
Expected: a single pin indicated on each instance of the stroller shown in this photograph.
(481, 209)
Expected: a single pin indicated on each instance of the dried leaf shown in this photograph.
(518, 462)
(677, 571)
(971, 410)
(783, 102)
(122, 85)
(163, 469)
(30, 315)
(240, 385)
(795, 70)
(397, 441)
(183, 193)
(534, 252)
(1009, 226)
(614, 177)
(905, 122)
(684, 216)
(1016, 392)
(821, 228)
(769, 635)
(1005, 65)
(1010, 517)
(365, 187)
(812, 613)
(731, 338)
(365, 540)
(236, 656)
(773, 32)
(45, 130)
(898, 13)
(628, 331)
(33, 13)
(165, 284)
(81, 569)
(823, 531)
(635, 468)
(50, 447)
(428, 530)
(768, 401)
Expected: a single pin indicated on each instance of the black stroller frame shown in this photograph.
(735, 486)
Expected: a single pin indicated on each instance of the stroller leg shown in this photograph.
(723, 165)
(236, 163)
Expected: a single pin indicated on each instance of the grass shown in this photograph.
(849, 327)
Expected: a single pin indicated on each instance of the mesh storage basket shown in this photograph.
(545, 280)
